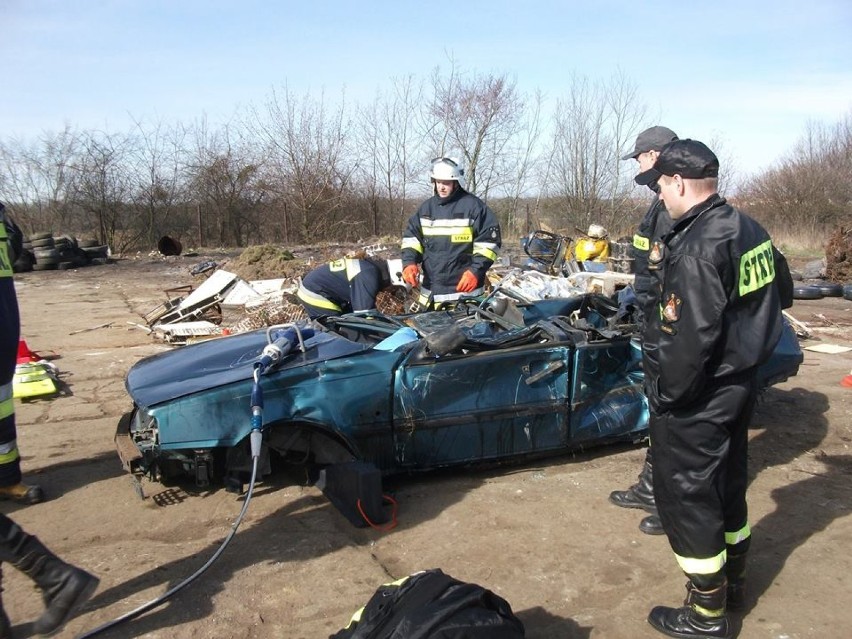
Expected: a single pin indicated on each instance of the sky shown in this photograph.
(748, 76)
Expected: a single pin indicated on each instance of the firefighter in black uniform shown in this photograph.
(64, 587)
(653, 226)
(718, 319)
(453, 238)
(343, 286)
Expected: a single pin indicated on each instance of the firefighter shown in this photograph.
(63, 587)
(653, 226)
(718, 319)
(452, 240)
(11, 484)
(346, 285)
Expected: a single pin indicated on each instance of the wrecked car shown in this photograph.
(479, 384)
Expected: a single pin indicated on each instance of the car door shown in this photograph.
(607, 399)
(487, 405)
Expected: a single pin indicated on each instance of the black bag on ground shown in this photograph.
(432, 605)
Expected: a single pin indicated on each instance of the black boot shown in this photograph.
(735, 570)
(640, 494)
(5, 624)
(64, 587)
(652, 525)
(703, 616)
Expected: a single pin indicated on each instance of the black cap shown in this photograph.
(652, 139)
(690, 159)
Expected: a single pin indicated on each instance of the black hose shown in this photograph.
(162, 598)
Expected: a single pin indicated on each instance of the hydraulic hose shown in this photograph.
(255, 440)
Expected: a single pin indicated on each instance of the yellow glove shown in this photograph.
(467, 283)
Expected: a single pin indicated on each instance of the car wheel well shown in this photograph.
(308, 443)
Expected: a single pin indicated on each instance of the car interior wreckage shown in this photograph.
(367, 395)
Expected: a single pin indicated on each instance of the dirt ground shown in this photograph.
(542, 536)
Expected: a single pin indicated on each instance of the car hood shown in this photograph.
(219, 362)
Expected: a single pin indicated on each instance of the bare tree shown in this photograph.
(38, 178)
(480, 116)
(225, 179)
(387, 145)
(309, 160)
(103, 188)
(159, 186)
(591, 127)
(810, 189)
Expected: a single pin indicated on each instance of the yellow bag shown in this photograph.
(592, 249)
(33, 380)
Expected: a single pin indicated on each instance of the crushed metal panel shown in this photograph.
(212, 290)
(240, 293)
(188, 328)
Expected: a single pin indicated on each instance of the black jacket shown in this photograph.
(653, 226)
(719, 313)
(352, 284)
(449, 236)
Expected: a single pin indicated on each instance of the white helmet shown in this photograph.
(597, 232)
(444, 168)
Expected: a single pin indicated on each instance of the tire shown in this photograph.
(96, 251)
(44, 267)
(64, 266)
(830, 290)
(45, 254)
(43, 243)
(87, 243)
(847, 292)
(806, 293)
(41, 236)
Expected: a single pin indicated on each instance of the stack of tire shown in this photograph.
(46, 252)
(94, 253)
(47, 255)
(820, 290)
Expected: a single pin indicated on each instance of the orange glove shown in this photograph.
(467, 283)
(411, 275)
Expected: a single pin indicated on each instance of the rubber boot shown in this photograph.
(22, 494)
(5, 624)
(640, 494)
(651, 525)
(735, 570)
(64, 587)
(702, 616)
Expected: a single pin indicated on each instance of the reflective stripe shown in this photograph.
(5, 263)
(412, 243)
(450, 297)
(7, 404)
(447, 231)
(480, 248)
(733, 538)
(757, 268)
(356, 618)
(353, 267)
(460, 231)
(642, 243)
(314, 299)
(453, 223)
(9, 451)
(707, 566)
(708, 612)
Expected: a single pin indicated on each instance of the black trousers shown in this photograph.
(11, 539)
(701, 475)
(10, 327)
